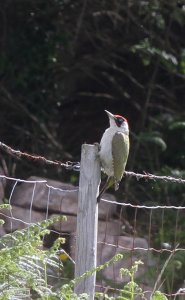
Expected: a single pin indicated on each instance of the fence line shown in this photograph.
(22, 180)
(62, 190)
(105, 243)
(143, 249)
(143, 206)
(75, 166)
(148, 176)
(102, 199)
(68, 165)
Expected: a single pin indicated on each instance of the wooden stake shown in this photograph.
(87, 219)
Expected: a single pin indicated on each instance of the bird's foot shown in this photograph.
(98, 198)
(97, 145)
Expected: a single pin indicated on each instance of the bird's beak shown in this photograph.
(111, 116)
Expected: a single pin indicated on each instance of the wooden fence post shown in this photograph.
(87, 219)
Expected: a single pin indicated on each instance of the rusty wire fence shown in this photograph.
(155, 234)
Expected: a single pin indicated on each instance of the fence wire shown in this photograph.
(143, 237)
(75, 166)
(153, 233)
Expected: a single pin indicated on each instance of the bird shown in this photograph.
(114, 151)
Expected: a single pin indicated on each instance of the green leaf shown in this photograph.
(152, 137)
(159, 296)
(177, 125)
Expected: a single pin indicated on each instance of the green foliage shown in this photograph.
(147, 52)
(24, 265)
(154, 139)
(2, 206)
(25, 268)
(174, 271)
(158, 296)
(131, 290)
(67, 293)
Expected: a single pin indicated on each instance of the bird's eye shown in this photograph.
(119, 121)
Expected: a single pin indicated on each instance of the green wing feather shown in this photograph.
(120, 151)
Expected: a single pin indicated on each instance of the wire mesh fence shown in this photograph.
(153, 234)
(148, 236)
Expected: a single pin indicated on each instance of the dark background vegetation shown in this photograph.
(63, 62)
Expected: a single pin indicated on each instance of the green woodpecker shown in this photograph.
(114, 150)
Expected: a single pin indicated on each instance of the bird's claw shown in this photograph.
(97, 145)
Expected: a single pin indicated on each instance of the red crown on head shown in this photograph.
(118, 116)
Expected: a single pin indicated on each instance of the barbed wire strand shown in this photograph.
(68, 165)
(75, 166)
(148, 176)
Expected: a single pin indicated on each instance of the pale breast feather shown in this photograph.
(120, 151)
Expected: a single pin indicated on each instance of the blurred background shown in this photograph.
(63, 62)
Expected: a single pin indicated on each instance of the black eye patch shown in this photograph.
(119, 121)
